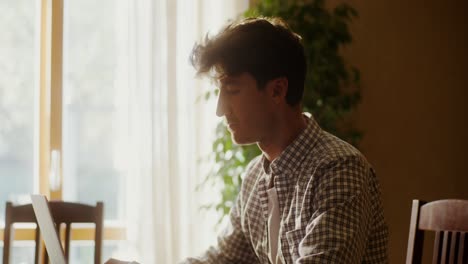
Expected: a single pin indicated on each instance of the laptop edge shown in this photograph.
(47, 227)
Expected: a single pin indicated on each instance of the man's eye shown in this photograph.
(232, 91)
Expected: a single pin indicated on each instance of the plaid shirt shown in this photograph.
(329, 201)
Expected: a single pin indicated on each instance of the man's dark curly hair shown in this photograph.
(264, 47)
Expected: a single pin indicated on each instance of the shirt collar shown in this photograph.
(293, 155)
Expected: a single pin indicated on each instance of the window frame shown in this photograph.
(48, 114)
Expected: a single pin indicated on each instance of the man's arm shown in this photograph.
(340, 226)
(233, 246)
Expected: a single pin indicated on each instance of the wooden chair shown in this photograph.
(449, 220)
(63, 213)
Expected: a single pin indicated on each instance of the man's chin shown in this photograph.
(238, 140)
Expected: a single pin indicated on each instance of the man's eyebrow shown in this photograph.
(223, 82)
(227, 79)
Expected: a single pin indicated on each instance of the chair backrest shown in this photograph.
(63, 213)
(449, 220)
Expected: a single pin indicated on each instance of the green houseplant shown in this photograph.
(331, 92)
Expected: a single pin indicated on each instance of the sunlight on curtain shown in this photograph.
(164, 131)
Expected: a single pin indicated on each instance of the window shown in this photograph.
(19, 52)
(58, 95)
(91, 110)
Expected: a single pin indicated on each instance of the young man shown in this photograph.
(310, 197)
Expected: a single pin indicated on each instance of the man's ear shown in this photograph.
(278, 88)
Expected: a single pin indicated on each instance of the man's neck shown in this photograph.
(286, 132)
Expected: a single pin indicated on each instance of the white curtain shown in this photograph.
(165, 131)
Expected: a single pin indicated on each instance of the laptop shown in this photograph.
(48, 231)
(50, 235)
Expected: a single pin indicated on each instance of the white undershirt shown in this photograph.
(273, 225)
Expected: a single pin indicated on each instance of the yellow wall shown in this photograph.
(413, 56)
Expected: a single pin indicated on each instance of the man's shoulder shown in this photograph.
(330, 150)
(335, 163)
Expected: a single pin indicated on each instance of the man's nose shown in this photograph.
(220, 111)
